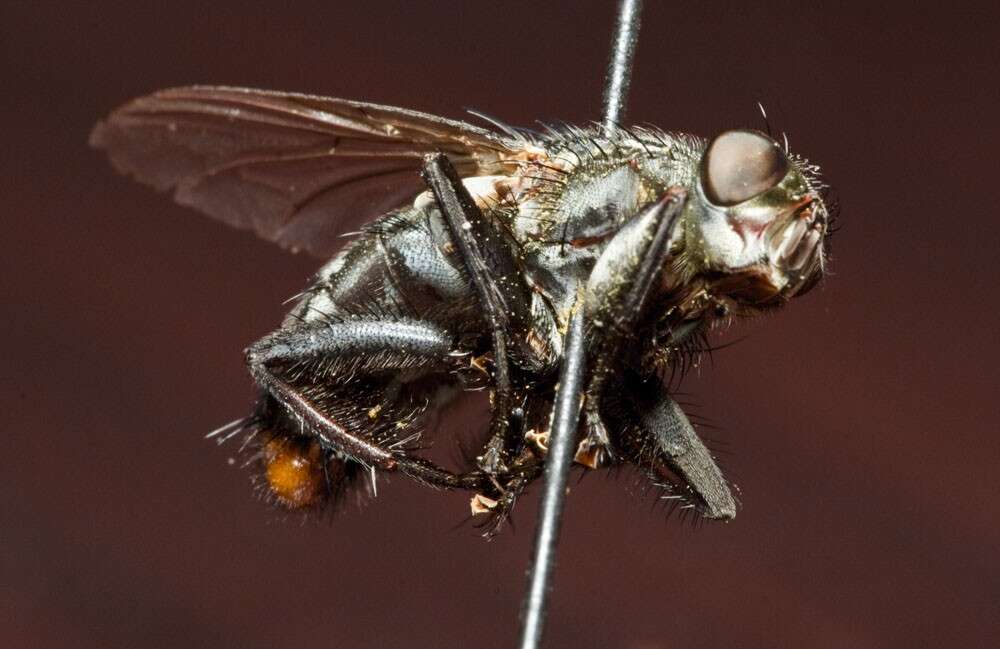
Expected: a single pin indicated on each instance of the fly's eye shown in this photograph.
(739, 165)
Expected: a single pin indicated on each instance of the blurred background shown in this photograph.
(861, 424)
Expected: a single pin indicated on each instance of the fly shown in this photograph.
(475, 251)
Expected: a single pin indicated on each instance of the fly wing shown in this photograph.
(296, 169)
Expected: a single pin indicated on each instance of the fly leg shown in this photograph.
(616, 292)
(658, 438)
(318, 375)
(505, 299)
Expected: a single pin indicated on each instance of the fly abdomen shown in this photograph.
(401, 266)
(298, 473)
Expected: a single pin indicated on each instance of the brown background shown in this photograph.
(862, 422)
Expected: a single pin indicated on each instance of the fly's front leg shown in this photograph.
(503, 296)
(616, 292)
(658, 438)
(318, 375)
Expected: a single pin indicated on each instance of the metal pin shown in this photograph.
(562, 439)
(562, 445)
(619, 77)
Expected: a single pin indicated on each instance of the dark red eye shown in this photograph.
(739, 165)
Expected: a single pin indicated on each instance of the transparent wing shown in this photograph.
(296, 169)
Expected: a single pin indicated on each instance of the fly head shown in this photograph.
(756, 221)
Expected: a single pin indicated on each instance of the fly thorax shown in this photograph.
(575, 219)
(596, 205)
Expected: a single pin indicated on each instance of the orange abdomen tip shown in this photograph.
(294, 472)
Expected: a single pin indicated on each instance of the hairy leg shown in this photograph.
(616, 293)
(657, 436)
(293, 366)
(502, 293)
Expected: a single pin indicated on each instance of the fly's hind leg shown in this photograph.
(327, 405)
(503, 296)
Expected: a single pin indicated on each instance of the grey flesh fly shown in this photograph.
(571, 271)
(473, 248)
(500, 258)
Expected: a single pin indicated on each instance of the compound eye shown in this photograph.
(739, 165)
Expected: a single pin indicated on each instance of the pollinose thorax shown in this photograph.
(750, 236)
